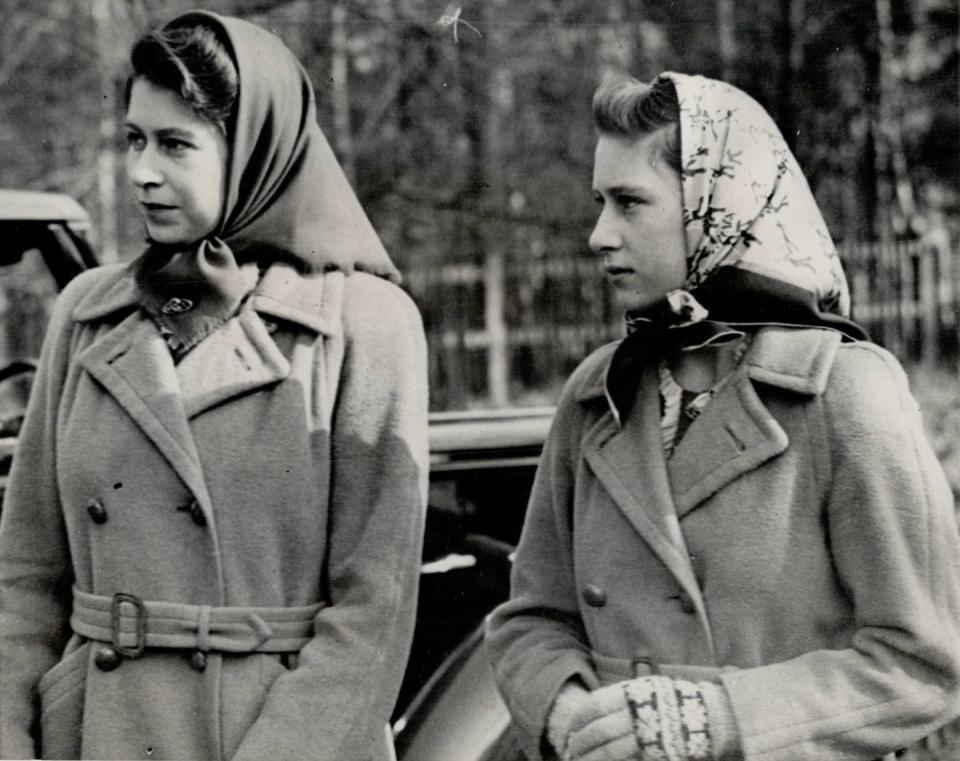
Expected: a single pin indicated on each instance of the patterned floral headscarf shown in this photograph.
(758, 250)
(746, 202)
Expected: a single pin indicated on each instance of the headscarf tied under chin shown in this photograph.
(758, 249)
(286, 197)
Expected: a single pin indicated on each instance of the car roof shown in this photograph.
(34, 205)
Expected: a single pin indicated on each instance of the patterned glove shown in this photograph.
(650, 717)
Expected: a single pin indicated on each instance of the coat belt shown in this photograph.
(610, 669)
(132, 624)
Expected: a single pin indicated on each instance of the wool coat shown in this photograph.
(799, 548)
(281, 464)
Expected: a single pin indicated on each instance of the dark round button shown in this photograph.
(198, 661)
(594, 596)
(96, 511)
(196, 514)
(686, 603)
(107, 659)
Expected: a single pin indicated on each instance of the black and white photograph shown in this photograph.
(480, 380)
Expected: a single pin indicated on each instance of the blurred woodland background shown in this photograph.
(466, 130)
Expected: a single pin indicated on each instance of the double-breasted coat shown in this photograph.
(799, 547)
(281, 465)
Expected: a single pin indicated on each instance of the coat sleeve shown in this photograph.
(891, 527)
(335, 705)
(35, 567)
(536, 640)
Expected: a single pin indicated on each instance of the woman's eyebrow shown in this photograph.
(163, 132)
(618, 189)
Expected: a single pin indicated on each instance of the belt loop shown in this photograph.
(140, 624)
(644, 660)
(203, 628)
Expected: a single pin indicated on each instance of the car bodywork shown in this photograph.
(53, 228)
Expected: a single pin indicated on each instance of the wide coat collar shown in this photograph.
(132, 363)
(735, 434)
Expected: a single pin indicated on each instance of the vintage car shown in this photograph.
(482, 466)
(481, 472)
(43, 245)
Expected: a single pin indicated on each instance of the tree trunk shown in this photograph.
(488, 101)
(340, 89)
(726, 38)
(792, 13)
(106, 152)
(890, 114)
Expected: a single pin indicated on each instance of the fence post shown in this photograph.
(498, 364)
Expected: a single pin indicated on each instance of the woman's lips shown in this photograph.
(156, 209)
(615, 272)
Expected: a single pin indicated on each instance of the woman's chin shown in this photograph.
(633, 301)
(166, 236)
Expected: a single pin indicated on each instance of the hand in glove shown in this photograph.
(650, 717)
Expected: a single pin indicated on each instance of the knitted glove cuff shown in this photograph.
(669, 718)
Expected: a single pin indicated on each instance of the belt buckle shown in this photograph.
(135, 650)
(644, 660)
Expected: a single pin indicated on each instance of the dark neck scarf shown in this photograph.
(722, 309)
(286, 196)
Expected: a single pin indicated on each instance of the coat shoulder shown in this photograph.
(868, 404)
(372, 301)
(868, 378)
(87, 290)
(587, 381)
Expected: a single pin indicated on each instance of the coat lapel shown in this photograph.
(133, 364)
(628, 463)
(242, 359)
(734, 435)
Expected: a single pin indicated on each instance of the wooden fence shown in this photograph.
(509, 331)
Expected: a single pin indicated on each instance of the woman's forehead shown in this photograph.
(638, 162)
(154, 107)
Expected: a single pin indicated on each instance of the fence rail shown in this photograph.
(508, 331)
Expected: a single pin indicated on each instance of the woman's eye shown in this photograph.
(135, 140)
(175, 146)
(629, 202)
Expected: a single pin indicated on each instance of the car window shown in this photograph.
(27, 292)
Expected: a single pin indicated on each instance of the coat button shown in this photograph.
(198, 661)
(107, 659)
(96, 511)
(594, 596)
(686, 603)
(196, 514)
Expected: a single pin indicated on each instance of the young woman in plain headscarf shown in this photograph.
(211, 539)
(739, 544)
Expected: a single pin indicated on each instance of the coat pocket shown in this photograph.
(61, 705)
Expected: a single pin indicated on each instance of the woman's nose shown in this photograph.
(142, 168)
(604, 237)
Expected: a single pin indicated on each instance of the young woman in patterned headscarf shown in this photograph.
(739, 544)
(210, 544)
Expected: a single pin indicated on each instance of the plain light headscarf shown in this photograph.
(286, 196)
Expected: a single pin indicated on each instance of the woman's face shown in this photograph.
(177, 163)
(639, 232)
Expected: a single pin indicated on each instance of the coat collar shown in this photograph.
(131, 360)
(312, 301)
(793, 359)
